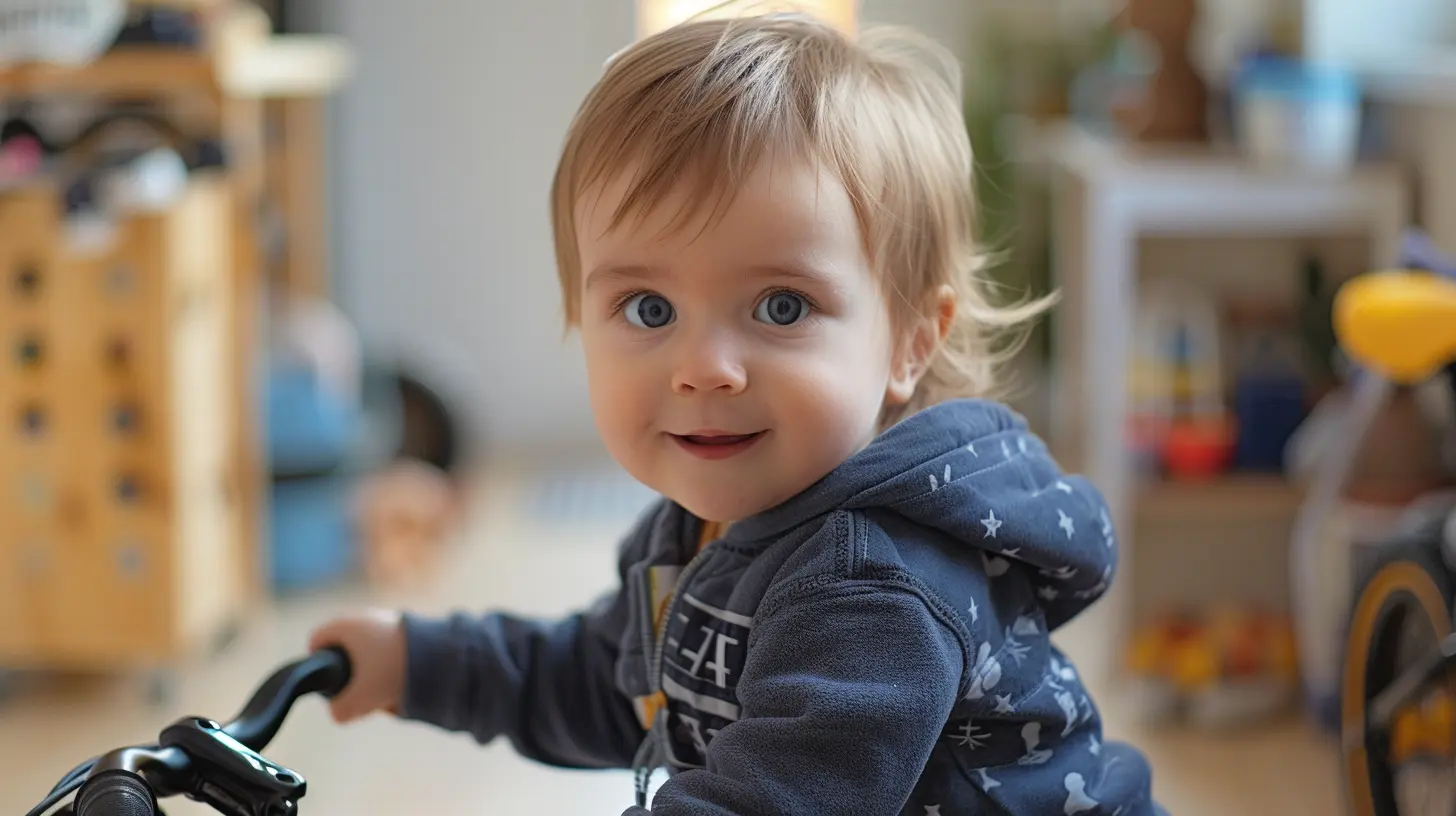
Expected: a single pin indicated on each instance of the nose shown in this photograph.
(709, 363)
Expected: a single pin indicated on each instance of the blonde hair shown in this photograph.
(704, 102)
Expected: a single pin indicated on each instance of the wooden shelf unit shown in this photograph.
(207, 557)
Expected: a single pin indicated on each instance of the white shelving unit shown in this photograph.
(1106, 197)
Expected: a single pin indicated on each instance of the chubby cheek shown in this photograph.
(621, 398)
(833, 400)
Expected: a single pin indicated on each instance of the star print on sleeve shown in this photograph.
(1064, 521)
(992, 524)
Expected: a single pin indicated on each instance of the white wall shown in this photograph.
(442, 150)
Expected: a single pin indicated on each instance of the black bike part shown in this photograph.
(216, 764)
(229, 776)
(59, 792)
(77, 773)
(324, 672)
(1411, 682)
(1389, 613)
(115, 793)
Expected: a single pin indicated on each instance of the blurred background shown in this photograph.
(282, 339)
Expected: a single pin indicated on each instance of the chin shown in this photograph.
(719, 508)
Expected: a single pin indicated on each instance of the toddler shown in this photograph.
(842, 603)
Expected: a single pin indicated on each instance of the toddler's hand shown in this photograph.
(376, 647)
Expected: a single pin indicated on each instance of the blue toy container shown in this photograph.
(311, 436)
(313, 544)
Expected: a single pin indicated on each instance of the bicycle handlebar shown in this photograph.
(116, 793)
(215, 764)
(324, 672)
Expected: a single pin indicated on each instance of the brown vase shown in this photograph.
(1175, 108)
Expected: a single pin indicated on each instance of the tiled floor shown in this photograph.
(517, 560)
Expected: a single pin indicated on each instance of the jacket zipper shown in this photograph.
(643, 765)
(660, 638)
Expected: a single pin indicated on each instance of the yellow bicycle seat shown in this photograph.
(1400, 323)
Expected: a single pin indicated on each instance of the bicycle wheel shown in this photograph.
(1401, 613)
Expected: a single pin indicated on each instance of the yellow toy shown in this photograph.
(1400, 322)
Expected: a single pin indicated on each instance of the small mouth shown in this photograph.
(715, 445)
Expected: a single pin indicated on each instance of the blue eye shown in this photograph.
(649, 311)
(781, 309)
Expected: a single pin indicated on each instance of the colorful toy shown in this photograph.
(1228, 667)
(1179, 423)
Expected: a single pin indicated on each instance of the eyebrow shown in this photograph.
(793, 271)
(613, 273)
(639, 273)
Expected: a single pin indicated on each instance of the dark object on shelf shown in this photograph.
(81, 195)
(1269, 389)
(1317, 324)
(1175, 108)
(1270, 408)
(209, 154)
(91, 147)
(20, 127)
(160, 26)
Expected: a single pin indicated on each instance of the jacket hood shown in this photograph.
(973, 470)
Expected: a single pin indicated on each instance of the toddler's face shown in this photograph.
(734, 363)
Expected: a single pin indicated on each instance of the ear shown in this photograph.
(917, 348)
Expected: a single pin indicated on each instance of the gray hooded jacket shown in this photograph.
(878, 644)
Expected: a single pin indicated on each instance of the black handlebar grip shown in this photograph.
(337, 672)
(115, 793)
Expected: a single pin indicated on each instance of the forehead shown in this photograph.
(779, 205)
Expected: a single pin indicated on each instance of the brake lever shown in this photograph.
(228, 775)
